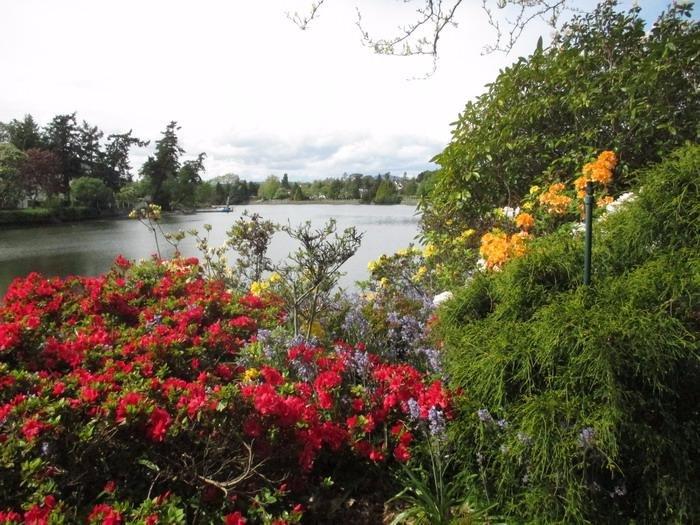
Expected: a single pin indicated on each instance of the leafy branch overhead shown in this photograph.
(422, 35)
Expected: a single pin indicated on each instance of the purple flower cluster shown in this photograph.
(360, 363)
(484, 415)
(355, 322)
(436, 420)
(433, 358)
(413, 409)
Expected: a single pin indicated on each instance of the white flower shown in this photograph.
(441, 298)
(617, 203)
(578, 227)
(481, 264)
(511, 213)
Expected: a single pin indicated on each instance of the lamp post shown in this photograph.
(588, 203)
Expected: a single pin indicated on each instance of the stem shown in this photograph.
(312, 315)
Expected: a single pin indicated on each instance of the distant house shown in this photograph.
(34, 200)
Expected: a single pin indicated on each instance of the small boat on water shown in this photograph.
(227, 208)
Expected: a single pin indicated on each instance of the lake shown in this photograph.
(88, 248)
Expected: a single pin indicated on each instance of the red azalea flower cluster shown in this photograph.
(134, 381)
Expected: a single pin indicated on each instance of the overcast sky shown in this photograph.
(249, 88)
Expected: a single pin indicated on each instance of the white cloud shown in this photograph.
(248, 87)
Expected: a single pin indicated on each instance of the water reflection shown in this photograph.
(89, 248)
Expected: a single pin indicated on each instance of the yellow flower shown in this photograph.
(259, 287)
(429, 251)
(250, 374)
(420, 273)
(274, 278)
(384, 282)
(466, 234)
(534, 190)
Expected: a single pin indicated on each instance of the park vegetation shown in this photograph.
(473, 379)
(68, 170)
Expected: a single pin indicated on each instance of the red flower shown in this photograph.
(130, 399)
(401, 453)
(271, 375)
(10, 516)
(158, 424)
(32, 428)
(105, 513)
(122, 262)
(234, 518)
(9, 335)
(39, 514)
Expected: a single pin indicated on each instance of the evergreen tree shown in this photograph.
(160, 170)
(62, 136)
(23, 134)
(118, 168)
(187, 180)
(386, 193)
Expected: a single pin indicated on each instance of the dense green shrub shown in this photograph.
(604, 84)
(582, 402)
(48, 215)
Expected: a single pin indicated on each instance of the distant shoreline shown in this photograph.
(358, 202)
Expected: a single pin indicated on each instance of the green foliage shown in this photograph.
(604, 84)
(387, 193)
(11, 159)
(251, 236)
(47, 215)
(188, 178)
(436, 494)
(268, 188)
(582, 402)
(91, 192)
(23, 134)
(161, 170)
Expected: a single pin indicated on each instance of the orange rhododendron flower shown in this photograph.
(600, 170)
(554, 201)
(525, 221)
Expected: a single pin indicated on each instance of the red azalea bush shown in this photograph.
(149, 395)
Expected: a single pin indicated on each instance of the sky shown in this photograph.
(248, 87)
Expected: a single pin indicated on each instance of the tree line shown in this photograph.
(68, 162)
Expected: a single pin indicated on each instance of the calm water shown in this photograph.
(89, 248)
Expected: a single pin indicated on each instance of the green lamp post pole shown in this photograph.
(588, 202)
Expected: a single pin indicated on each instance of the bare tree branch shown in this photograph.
(433, 17)
(303, 21)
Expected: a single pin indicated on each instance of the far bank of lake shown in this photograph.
(88, 248)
